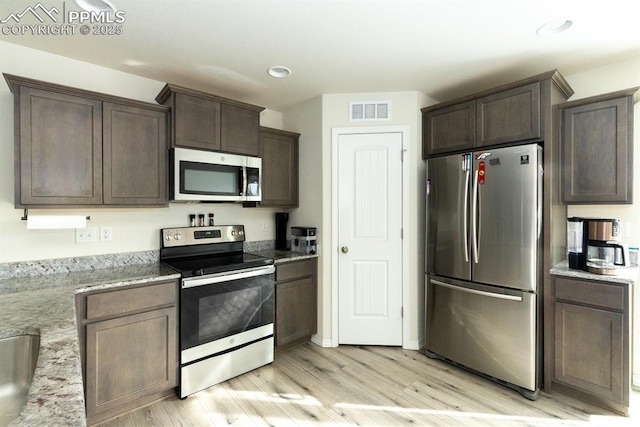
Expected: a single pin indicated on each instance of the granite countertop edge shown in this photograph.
(281, 256)
(627, 276)
(44, 305)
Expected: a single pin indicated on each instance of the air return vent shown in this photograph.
(369, 110)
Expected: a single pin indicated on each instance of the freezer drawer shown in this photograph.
(491, 330)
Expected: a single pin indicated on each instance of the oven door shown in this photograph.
(238, 304)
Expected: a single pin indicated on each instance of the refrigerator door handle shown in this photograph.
(465, 211)
(474, 216)
(477, 292)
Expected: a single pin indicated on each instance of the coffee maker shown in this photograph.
(605, 255)
(303, 239)
(593, 245)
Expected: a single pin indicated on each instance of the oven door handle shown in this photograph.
(227, 276)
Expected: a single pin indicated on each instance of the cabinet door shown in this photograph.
(197, 122)
(296, 302)
(589, 350)
(294, 311)
(130, 357)
(449, 129)
(597, 149)
(240, 130)
(279, 155)
(509, 116)
(60, 149)
(135, 155)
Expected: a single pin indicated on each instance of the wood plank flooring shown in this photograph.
(364, 386)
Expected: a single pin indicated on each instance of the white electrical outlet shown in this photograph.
(86, 235)
(106, 234)
(265, 226)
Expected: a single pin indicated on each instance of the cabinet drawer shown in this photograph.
(591, 293)
(129, 300)
(292, 270)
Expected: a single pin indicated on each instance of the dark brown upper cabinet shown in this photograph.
(279, 153)
(209, 122)
(58, 149)
(196, 122)
(597, 148)
(504, 115)
(449, 129)
(508, 116)
(134, 150)
(76, 148)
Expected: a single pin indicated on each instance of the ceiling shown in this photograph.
(442, 48)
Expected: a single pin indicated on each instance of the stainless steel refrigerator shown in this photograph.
(483, 231)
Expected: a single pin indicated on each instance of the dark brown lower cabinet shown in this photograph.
(129, 347)
(296, 302)
(591, 342)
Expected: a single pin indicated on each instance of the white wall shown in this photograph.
(610, 78)
(306, 118)
(133, 229)
(316, 164)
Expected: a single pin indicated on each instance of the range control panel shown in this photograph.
(184, 236)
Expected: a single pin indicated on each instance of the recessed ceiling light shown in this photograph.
(279, 71)
(554, 27)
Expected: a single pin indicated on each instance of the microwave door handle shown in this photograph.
(242, 182)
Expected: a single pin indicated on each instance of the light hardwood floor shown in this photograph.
(364, 386)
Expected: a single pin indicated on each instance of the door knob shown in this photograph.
(344, 249)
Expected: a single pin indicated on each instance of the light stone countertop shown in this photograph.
(628, 275)
(45, 305)
(280, 256)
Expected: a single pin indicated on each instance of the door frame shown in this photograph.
(335, 136)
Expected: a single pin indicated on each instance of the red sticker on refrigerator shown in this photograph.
(481, 172)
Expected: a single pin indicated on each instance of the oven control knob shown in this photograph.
(177, 236)
(168, 237)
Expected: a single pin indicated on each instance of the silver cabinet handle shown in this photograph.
(344, 249)
(477, 292)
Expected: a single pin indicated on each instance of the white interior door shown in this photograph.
(369, 239)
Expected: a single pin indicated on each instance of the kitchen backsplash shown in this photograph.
(11, 270)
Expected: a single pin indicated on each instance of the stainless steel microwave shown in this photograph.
(214, 177)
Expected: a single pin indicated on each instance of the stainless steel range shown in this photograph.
(226, 304)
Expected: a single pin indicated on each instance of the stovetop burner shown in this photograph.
(198, 251)
(203, 265)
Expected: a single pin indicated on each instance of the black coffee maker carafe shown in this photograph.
(282, 218)
(577, 240)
